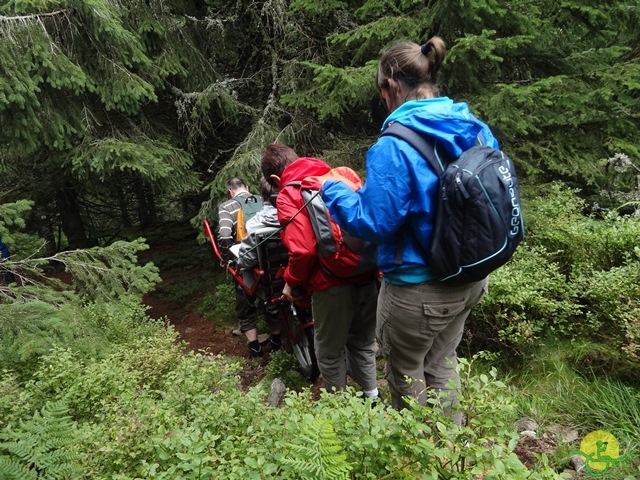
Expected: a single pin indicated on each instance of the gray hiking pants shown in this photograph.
(419, 328)
(344, 319)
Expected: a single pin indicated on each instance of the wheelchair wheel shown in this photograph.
(300, 343)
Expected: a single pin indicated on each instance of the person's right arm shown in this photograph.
(225, 232)
(379, 209)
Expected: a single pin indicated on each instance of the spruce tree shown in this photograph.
(81, 122)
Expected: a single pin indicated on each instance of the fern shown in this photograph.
(41, 447)
(316, 453)
(11, 469)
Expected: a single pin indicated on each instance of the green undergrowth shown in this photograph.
(575, 277)
(147, 409)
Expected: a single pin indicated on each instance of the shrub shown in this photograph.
(30, 330)
(612, 300)
(14, 401)
(528, 299)
(573, 276)
(556, 221)
(284, 365)
(224, 302)
(173, 416)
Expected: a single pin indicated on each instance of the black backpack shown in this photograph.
(478, 221)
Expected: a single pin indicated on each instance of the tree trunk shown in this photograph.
(152, 211)
(72, 224)
(124, 211)
(45, 229)
(147, 212)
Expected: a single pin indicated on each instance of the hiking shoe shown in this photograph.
(375, 400)
(253, 353)
(275, 346)
(255, 350)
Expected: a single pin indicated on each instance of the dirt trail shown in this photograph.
(199, 332)
(186, 268)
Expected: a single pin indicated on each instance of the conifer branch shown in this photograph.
(35, 16)
(98, 273)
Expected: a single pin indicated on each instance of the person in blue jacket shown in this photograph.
(420, 320)
(4, 251)
(6, 276)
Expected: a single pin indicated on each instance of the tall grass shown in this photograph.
(554, 394)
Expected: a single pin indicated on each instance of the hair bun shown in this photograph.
(425, 49)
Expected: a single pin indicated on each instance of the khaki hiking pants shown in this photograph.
(419, 328)
(344, 319)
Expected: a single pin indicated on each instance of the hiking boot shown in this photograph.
(275, 342)
(255, 353)
(255, 350)
(374, 399)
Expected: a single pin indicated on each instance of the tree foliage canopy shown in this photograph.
(121, 111)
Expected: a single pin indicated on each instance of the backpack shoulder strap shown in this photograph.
(427, 149)
(245, 200)
(241, 198)
(319, 219)
(424, 145)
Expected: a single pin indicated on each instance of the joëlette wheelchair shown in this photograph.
(265, 282)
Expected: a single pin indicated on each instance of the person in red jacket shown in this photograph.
(344, 311)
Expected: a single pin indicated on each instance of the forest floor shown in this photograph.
(198, 331)
(191, 300)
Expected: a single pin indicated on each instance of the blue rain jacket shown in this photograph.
(4, 251)
(395, 207)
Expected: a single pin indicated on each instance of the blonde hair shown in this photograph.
(413, 67)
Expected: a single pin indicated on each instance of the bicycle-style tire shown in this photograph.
(302, 347)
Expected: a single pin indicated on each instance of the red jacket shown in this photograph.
(298, 237)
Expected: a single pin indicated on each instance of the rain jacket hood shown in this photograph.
(451, 124)
(302, 168)
(267, 216)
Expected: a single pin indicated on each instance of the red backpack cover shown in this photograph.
(341, 255)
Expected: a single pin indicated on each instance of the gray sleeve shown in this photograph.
(248, 253)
